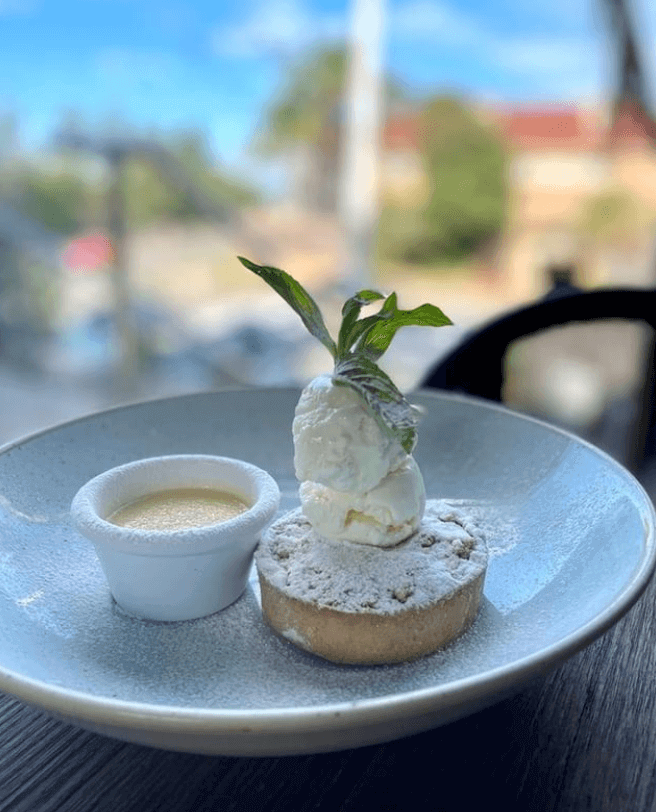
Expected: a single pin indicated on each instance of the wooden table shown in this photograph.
(583, 738)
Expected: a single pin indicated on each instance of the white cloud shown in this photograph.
(545, 55)
(563, 13)
(567, 66)
(278, 28)
(436, 22)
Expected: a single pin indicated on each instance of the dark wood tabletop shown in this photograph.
(582, 738)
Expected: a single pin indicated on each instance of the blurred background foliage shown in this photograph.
(616, 217)
(465, 163)
(63, 195)
(150, 196)
(59, 200)
(304, 121)
(307, 109)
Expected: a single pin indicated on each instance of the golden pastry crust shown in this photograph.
(357, 604)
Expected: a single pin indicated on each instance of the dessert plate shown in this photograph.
(570, 531)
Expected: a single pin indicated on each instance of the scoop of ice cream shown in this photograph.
(338, 442)
(382, 517)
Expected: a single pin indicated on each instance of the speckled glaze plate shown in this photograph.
(572, 541)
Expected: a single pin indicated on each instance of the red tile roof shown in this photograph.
(552, 128)
(563, 128)
(631, 127)
(402, 132)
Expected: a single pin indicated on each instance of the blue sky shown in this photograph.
(215, 65)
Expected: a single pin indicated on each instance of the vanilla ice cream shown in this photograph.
(357, 483)
(382, 517)
(338, 442)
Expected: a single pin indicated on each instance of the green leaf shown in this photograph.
(362, 297)
(297, 298)
(350, 313)
(362, 327)
(380, 335)
(395, 415)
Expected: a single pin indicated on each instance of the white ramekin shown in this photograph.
(181, 574)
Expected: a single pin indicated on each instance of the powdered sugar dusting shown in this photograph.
(447, 551)
(498, 526)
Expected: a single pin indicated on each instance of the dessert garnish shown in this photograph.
(360, 343)
(354, 431)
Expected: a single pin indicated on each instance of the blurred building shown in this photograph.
(404, 180)
(582, 195)
(557, 166)
(581, 192)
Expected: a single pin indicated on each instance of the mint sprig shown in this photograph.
(360, 343)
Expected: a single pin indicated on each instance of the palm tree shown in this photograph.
(304, 123)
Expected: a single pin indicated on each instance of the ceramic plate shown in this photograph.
(572, 541)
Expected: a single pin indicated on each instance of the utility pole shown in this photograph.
(358, 200)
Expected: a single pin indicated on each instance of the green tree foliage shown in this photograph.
(615, 217)
(465, 165)
(191, 150)
(307, 110)
(149, 198)
(55, 199)
(66, 200)
(307, 114)
(150, 195)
